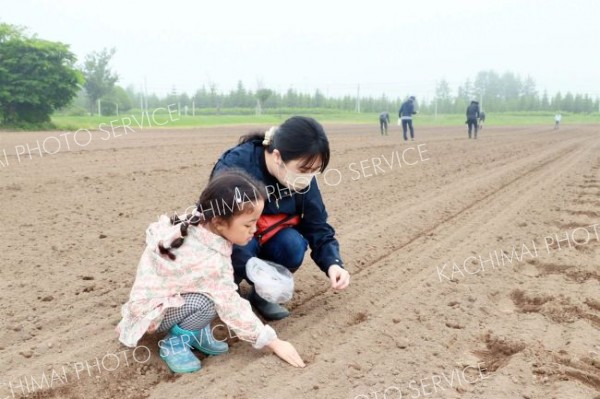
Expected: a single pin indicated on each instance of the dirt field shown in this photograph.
(475, 267)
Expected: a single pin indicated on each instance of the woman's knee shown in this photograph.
(287, 248)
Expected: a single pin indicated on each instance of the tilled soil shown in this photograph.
(475, 267)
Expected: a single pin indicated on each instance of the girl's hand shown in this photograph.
(286, 351)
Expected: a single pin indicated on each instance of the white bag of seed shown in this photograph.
(272, 281)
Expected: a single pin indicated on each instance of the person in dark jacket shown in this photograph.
(384, 120)
(286, 159)
(407, 110)
(472, 116)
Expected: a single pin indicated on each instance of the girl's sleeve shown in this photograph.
(235, 311)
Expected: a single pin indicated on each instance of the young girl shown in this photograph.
(185, 278)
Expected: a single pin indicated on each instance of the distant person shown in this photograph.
(384, 120)
(481, 119)
(472, 116)
(407, 110)
(557, 119)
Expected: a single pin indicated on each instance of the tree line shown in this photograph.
(495, 92)
(39, 77)
(507, 93)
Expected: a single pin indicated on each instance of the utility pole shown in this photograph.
(146, 94)
(358, 99)
(481, 99)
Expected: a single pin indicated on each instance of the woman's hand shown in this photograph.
(286, 351)
(340, 278)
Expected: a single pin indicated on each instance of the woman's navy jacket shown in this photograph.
(308, 205)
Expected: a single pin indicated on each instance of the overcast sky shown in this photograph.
(395, 47)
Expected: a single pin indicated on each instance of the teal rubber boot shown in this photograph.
(206, 343)
(269, 310)
(175, 350)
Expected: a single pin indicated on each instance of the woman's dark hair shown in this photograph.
(299, 137)
(228, 194)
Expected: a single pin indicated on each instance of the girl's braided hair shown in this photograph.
(228, 194)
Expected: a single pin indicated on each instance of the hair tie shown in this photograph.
(196, 217)
(269, 136)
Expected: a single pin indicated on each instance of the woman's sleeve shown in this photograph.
(325, 249)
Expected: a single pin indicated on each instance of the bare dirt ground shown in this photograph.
(435, 309)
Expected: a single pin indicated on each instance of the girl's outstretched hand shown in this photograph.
(287, 352)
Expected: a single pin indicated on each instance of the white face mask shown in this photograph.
(297, 181)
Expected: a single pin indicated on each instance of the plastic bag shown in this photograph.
(272, 282)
